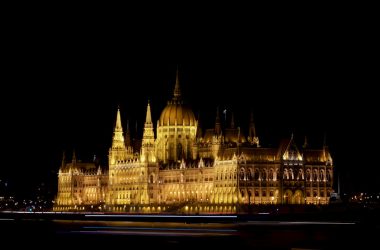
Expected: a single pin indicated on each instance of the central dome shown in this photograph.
(176, 111)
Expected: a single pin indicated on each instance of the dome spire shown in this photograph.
(177, 89)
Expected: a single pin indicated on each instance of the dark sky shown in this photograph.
(63, 91)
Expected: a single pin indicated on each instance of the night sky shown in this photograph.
(64, 91)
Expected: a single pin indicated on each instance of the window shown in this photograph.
(151, 179)
(179, 151)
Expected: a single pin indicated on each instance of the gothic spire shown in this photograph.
(148, 119)
(305, 144)
(74, 159)
(63, 159)
(252, 132)
(118, 137)
(199, 127)
(177, 89)
(128, 136)
(324, 146)
(232, 120)
(252, 127)
(218, 128)
(118, 126)
(147, 148)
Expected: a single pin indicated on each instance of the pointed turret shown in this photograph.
(218, 128)
(324, 147)
(147, 149)
(252, 127)
(118, 126)
(118, 151)
(148, 119)
(118, 137)
(128, 136)
(253, 138)
(74, 158)
(305, 144)
(199, 127)
(177, 89)
(63, 159)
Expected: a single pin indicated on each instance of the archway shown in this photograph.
(297, 198)
(288, 195)
(179, 151)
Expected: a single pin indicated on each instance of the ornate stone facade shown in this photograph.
(184, 169)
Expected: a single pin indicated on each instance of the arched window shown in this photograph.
(300, 175)
(322, 175)
(315, 175)
(249, 175)
(329, 175)
(286, 174)
(151, 179)
(171, 151)
(264, 175)
(308, 175)
(291, 174)
(179, 151)
(257, 174)
(242, 174)
(271, 175)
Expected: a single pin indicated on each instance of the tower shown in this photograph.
(147, 148)
(128, 141)
(176, 129)
(118, 150)
(253, 138)
(217, 138)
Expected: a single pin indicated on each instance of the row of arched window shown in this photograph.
(288, 174)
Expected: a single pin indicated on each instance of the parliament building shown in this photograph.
(181, 168)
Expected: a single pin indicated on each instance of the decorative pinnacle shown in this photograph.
(177, 89)
(148, 118)
(118, 126)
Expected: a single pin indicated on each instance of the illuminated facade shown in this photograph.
(183, 169)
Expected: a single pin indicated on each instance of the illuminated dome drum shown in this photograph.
(176, 130)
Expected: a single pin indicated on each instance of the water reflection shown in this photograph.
(243, 234)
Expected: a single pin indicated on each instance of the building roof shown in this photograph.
(177, 113)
